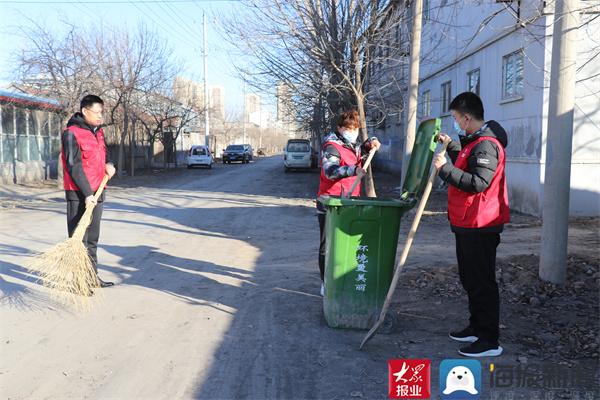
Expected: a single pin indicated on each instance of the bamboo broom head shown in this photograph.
(67, 268)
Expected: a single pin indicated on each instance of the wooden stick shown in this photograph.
(367, 163)
(86, 218)
(413, 230)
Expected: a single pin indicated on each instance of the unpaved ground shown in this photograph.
(217, 296)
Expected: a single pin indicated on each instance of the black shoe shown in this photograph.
(481, 348)
(104, 283)
(466, 335)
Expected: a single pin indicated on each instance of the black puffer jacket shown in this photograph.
(481, 166)
(482, 161)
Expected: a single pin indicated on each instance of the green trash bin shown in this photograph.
(362, 236)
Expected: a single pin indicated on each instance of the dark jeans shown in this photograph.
(75, 210)
(322, 245)
(476, 255)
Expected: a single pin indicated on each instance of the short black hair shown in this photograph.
(89, 101)
(468, 103)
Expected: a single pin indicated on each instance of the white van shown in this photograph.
(297, 154)
(200, 155)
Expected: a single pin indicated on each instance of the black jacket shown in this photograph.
(72, 153)
(481, 166)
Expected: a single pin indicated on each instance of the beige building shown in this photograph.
(217, 102)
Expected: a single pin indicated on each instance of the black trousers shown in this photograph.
(476, 255)
(75, 210)
(322, 245)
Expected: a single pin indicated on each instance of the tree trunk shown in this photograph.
(369, 183)
(121, 164)
(131, 147)
(150, 152)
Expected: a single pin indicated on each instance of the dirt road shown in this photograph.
(216, 295)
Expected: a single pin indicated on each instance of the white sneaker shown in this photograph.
(323, 289)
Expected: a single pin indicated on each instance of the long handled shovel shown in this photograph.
(413, 230)
(67, 268)
(367, 163)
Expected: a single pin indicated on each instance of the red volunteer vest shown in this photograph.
(329, 187)
(480, 210)
(93, 157)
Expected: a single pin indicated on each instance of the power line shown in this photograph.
(116, 1)
(175, 34)
(175, 27)
(185, 25)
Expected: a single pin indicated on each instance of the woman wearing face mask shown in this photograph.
(477, 210)
(341, 164)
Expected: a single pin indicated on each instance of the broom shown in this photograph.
(67, 268)
(411, 235)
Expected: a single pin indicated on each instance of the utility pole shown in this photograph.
(413, 85)
(244, 113)
(557, 180)
(206, 100)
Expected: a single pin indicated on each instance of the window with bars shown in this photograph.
(426, 103)
(446, 96)
(512, 75)
(22, 139)
(473, 81)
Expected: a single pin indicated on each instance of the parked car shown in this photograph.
(297, 154)
(200, 155)
(238, 152)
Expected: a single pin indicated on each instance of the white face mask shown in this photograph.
(457, 128)
(350, 135)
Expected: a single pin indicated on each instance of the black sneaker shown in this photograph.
(481, 348)
(466, 335)
(104, 284)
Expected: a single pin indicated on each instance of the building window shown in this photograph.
(473, 81)
(56, 127)
(34, 131)
(22, 139)
(426, 104)
(512, 75)
(446, 96)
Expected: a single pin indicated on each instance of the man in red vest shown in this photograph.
(341, 165)
(477, 210)
(85, 162)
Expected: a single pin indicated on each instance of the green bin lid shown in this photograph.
(420, 160)
(335, 201)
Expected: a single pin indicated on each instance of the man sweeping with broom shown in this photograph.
(85, 164)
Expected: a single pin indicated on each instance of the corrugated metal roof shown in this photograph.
(29, 100)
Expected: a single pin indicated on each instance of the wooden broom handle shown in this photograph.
(367, 163)
(411, 234)
(101, 188)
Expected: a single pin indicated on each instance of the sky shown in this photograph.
(179, 22)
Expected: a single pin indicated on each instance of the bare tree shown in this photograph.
(129, 66)
(324, 50)
(120, 67)
(55, 65)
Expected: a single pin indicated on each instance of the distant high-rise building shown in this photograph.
(252, 106)
(284, 102)
(189, 92)
(286, 112)
(217, 101)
